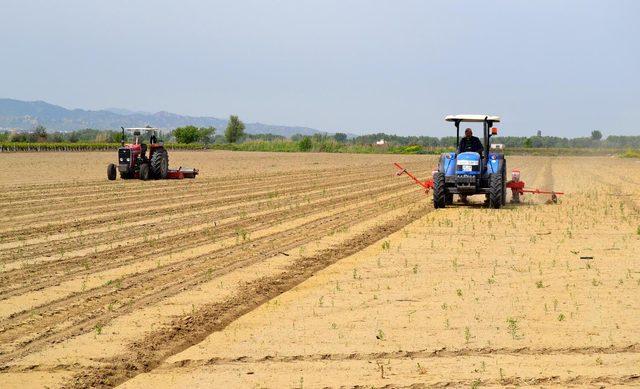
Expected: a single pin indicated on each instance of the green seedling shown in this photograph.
(467, 334)
(513, 327)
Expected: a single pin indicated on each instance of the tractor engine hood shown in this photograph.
(468, 163)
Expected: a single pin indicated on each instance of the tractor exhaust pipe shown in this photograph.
(122, 138)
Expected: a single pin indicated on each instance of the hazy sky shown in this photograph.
(564, 67)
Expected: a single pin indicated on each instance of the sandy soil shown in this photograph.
(315, 270)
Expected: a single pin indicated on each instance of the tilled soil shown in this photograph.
(314, 270)
(86, 255)
(534, 294)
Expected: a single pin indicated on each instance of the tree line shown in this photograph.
(235, 133)
(185, 135)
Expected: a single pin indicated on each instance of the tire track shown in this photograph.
(149, 352)
(17, 196)
(47, 274)
(424, 353)
(92, 219)
(87, 309)
(581, 380)
(194, 217)
(119, 199)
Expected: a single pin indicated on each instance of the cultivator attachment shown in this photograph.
(182, 172)
(427, 185)
(518, 188)
(516, 185)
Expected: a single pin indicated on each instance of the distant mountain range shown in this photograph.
(25, 115)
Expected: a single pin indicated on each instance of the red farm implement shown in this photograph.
(516, 185)
(518, 188)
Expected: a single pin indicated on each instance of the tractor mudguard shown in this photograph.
(447, 164)
(494, 163)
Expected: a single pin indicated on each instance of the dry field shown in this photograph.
(314, 270)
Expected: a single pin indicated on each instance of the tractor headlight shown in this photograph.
(121, 159)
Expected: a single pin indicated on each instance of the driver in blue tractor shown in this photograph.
(470, 143)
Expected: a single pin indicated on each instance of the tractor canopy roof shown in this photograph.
(472, 118)
(141, 129)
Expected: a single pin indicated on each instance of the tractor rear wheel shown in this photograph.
(160, 164)
(495, 190)
(111, 172)
(439, 194)
(144, 171)
(504, 183)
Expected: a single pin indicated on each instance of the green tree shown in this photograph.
(73, 137)
(235, 129)
(205, 134)
(18, 137)
(57, 137)
(340, 137)
(596, 135)
(305, 144)
(114, 137)
(40, 133)
(186, 134)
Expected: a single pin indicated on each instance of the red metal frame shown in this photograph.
(427, 185)
(180, 173)
(517, 187)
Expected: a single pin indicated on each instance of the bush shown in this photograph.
(630, 153)
(305, 144)
(186, 134)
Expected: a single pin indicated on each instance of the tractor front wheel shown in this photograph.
(160, 164)
(439, 194)
(111, 172)
(449, 197)
(495, 190)
(144, 171)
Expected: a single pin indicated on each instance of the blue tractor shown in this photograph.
(468, 173)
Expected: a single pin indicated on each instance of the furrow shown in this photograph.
(88, 308)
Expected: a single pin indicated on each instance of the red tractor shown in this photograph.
(133, 161)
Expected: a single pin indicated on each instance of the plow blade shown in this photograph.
(182, 172)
